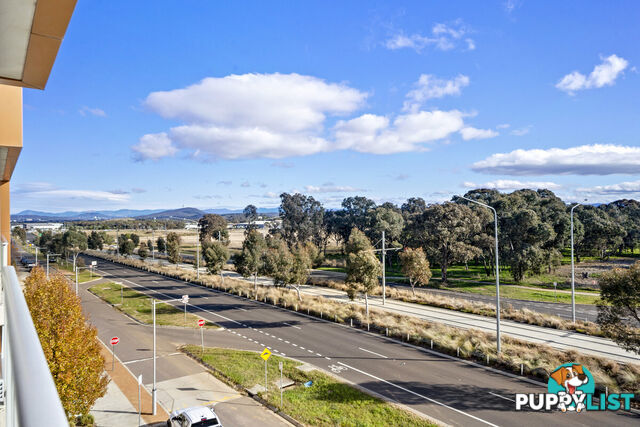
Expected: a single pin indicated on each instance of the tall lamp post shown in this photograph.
(573, 272)
(495, 217)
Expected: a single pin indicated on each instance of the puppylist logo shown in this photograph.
(571, 388)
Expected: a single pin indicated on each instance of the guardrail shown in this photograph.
(31, 397)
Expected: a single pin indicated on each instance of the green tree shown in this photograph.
(415, 267)
(95, 241)
(161, 245)
(173, 247)
(143, 252)
(250, 261)
(125, 245)
(446, 232)
(215, 255)
(134, 238)
(74, 241)
(19, 233)
(619, 309)
(301, 219)
(286, 267)
(363, 267)
(212, 226)
(70, 344)
(250, 215)
(150, 245)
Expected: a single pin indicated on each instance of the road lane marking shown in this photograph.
(293, 326)
(295, 345)
(286, 341)
(318, 354)
(302, 348)
(419, 395)
(502, 397)
(373, 352)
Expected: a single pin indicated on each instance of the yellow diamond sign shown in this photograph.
(265, 354)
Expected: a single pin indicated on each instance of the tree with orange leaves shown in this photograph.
(69, 343)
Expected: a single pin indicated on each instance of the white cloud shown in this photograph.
(508, 184)
(473, 133)
(245, 184)
(604, 74)
(78, 194)
(597, 159)
(154, 146)
(442, 37)
(277, 116)
(621, 188)
(429, 86)
(521, 131)
(503, 126)
(254, 115)
(93, 111)
(375, 134)
(330, 188)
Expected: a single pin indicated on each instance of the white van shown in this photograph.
(197, 416)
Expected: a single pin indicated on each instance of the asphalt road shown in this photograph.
(449, 390)
(583, 311)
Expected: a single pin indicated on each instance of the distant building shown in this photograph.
(191, 226)
(44, 226)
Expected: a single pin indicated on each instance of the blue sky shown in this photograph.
(163, 104)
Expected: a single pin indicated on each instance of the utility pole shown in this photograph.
(198, 259)
(384, 274)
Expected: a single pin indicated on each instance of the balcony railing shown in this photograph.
(31, 398)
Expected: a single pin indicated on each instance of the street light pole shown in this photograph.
(198, 258)
(384, 275)
(573, 272)
(153, 391)
(495, 217)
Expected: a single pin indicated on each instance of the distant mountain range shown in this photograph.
(182, 213)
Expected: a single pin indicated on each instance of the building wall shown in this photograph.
(10, 139)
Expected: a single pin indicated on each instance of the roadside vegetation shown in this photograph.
(69, 342)
(534, 359)
(138, 305)
(327, 402)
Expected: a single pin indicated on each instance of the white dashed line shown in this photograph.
(417, 394)
(502, 397)
(297, 327)
(295, 345)
(280, 339)
(269, 347)
(318, 354)
(286, 341)
(310, 351)
(373, 352)
(328, 358)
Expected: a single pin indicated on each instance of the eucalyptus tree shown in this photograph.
(250, 262)
(302, 219)
(363, 267)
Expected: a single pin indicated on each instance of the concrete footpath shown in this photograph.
(181, 381)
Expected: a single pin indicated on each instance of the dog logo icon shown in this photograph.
(569, 382)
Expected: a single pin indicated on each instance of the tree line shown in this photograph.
(534, 228)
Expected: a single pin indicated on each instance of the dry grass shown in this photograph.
(538, 360)
(474, 307)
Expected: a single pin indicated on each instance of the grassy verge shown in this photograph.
(515, 292)
(327, 402)
(138, 306)
(83, 275)
(536, 360)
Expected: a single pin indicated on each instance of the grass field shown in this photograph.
(326, 403)
(514, 292)
(138, 306)
(83, 274)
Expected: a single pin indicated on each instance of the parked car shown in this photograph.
(196, 416)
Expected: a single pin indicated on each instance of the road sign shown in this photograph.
(201, 322)
(266, 354)
(185, 299)
(115, 340)
(94, 263)
(280, 366)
